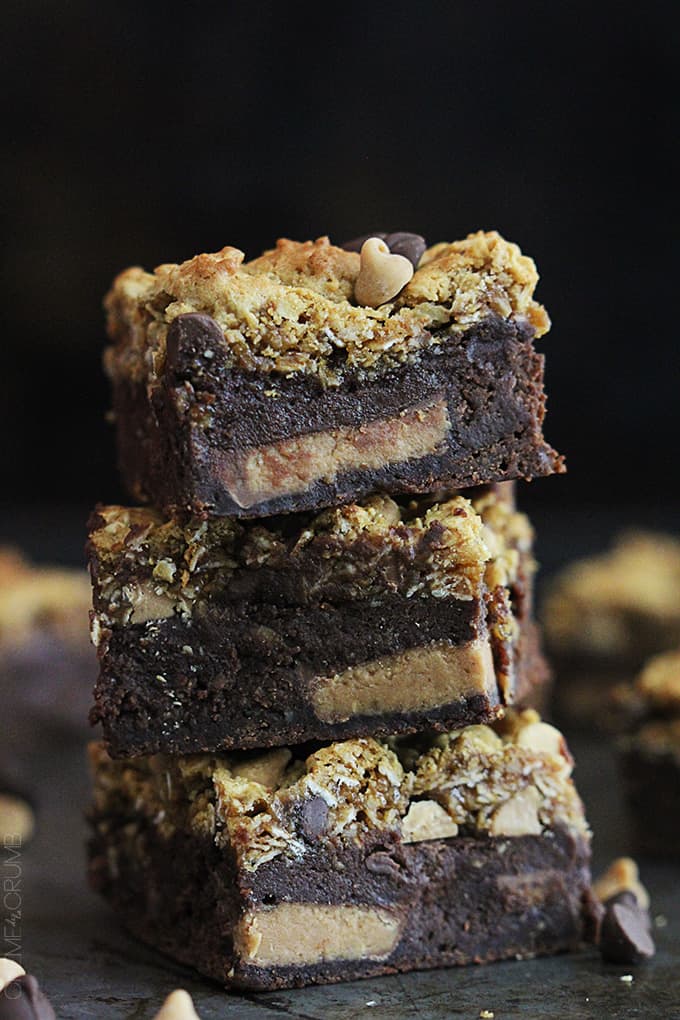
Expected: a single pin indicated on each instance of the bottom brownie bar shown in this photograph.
(268, 871)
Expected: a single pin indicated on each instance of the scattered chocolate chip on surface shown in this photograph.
(628, 899)
(624, 936)
(22, 999)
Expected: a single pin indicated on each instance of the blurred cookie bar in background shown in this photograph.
(605, 616)
(649, 754)
(47, 662)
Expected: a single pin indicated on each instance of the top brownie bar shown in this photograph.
(254, 388)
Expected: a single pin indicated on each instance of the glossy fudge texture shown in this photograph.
(253, 388)
(372, 618)
(284, 868)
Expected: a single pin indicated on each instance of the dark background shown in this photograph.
(142, 133)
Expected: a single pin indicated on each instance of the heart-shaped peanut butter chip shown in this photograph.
(382, 274)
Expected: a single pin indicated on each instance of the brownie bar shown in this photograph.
(261, 388)
(650, 767)
(649, 754)
(47, 664)
(366, 858)
(373, 618)
(605, 616)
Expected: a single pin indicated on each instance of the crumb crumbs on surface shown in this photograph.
(486, 1014)
(627, 978)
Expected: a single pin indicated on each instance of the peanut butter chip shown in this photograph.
(381, 275)
(9, 970)
(16, 819)
(177, 1006)
(621, 876)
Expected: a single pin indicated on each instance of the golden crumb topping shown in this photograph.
(293, 309)
(147, 567)
(510, 779)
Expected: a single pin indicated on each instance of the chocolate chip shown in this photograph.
(191, 336)
(628, 898)
(356, 243)
(411, 246)
(624, 937)
(382, 863)
(313, 817)
(23, 1000)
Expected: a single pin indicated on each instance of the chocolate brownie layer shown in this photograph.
(398, 908)
(368, 619)
(255, 675)
(268, 872)
(229, 412)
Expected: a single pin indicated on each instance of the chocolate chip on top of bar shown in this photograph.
(411, 246)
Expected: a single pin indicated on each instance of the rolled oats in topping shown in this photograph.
(292, 309)
(365, 785)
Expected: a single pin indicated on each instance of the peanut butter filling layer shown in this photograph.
(409, 681)
(294, 465)
(306, 933)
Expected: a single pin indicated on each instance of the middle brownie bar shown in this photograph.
(372, 618)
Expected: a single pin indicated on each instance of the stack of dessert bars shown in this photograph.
(318, 661)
